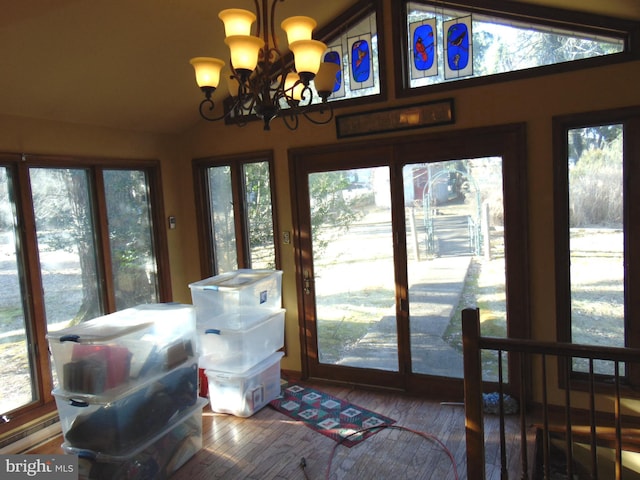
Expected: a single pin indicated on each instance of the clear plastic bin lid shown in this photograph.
(102, 329)
(114, 325)
(233, 280)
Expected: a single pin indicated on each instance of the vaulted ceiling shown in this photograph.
(125, 63)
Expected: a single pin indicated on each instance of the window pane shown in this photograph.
(222, 219)
(130, 238)
(16, 369)
(455, 237)
(596, 237)
(260, 215)
(66, 246)
(498, 45)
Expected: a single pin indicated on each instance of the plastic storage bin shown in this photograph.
(124, 347)
(116, 424)
(236, 351)
(156, 458)
(234, 291)
(245, 393)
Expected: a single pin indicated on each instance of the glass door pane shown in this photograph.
(66, 246)
(455, 259)
(352, 254)
(222, 219)
(130, 237)
(16, 368)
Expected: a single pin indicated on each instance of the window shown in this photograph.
(236, 215)
(80, 238)
(596, 233)
(356, 50)
(447, 42)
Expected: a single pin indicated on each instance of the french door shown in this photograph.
(392, 240)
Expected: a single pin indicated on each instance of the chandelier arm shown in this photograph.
(259, 14)
(306, 97)
(293, 118)
(322, 110)
(207, 102)
(274, 40)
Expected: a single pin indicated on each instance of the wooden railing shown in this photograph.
(586, 408)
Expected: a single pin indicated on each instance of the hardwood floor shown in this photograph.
(269, 445)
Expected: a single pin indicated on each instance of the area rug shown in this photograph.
(333, 417)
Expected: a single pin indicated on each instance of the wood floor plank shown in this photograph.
(269, 445)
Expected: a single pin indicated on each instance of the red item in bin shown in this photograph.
(116, 360)
(204, 383)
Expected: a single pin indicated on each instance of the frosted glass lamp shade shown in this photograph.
(207, 71)
(307, 54)
(244, 51)
(292, 90)
(298, 28)
(326, 77)
(237, 21)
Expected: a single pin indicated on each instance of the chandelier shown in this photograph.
(263, 81)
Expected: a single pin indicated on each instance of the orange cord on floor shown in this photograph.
(424, 435)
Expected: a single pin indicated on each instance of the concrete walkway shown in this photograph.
(433, 296)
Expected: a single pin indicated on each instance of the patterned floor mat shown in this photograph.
(338, 419)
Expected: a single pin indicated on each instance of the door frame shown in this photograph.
(506, 141)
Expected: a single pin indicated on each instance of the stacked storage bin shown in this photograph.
(240, 326)
(127, 391)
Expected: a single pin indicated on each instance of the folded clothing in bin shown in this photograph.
(96, 368)
(117, 425)
(155, 459)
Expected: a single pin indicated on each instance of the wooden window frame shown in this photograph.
(43, 409)
(201, 188)
(629, 117)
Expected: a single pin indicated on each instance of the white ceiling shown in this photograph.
(125, 63)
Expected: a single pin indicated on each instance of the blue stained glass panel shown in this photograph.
(360, 63)
(334, 57)
(458, 46)
(423, 44)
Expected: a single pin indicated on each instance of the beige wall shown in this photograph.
(533, 101)
(23, 135)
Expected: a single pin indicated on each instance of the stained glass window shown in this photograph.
(424, 48)
(360, 61)
(356, 50)
(445, 44)
(458, 48)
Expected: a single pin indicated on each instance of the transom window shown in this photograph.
(356, 50)
(445, 43)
